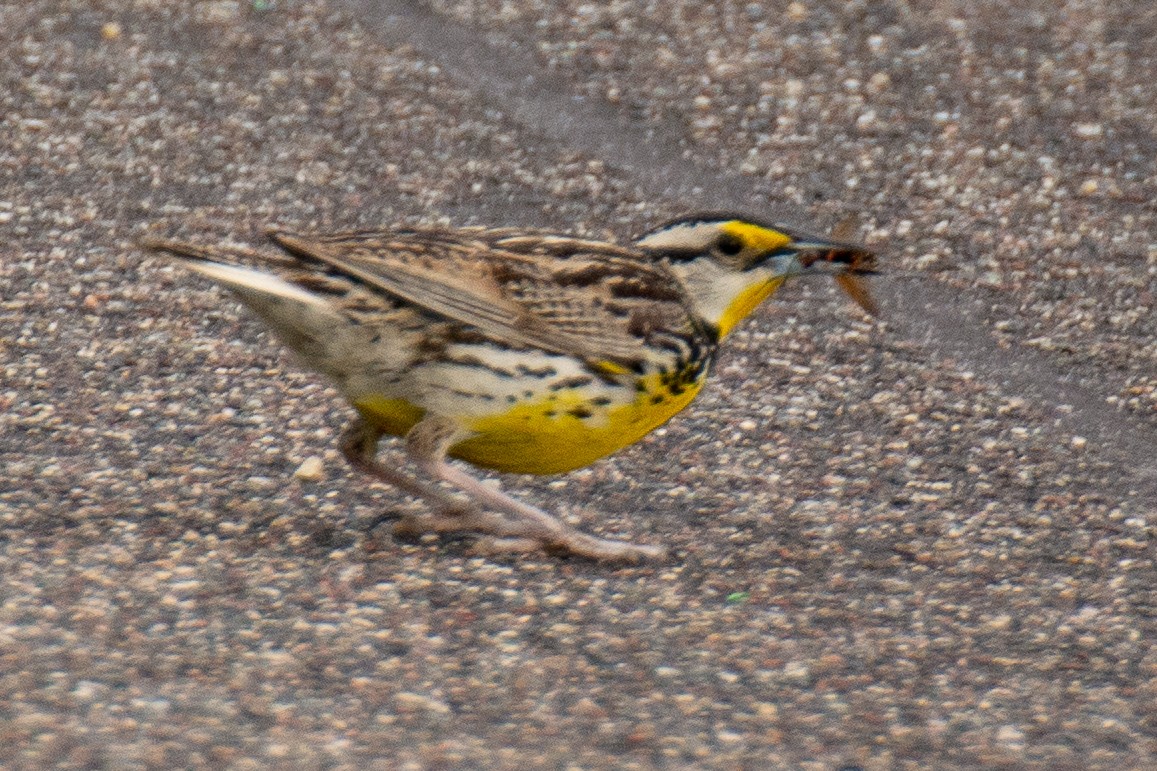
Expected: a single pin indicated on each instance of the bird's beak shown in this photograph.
(847, 263)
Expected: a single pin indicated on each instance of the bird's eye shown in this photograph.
(729, 245)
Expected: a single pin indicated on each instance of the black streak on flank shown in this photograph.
(541, 372)
(474, 361)
(572, 382)
(581, 412)
(472, 395)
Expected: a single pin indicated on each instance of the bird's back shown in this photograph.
(551, 351)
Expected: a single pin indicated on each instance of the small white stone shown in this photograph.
(417, 702)
(728, 737)
(998, 623)
(796, 671)
(1010, 736)
(1088, 130)
(310, 470)
(86, 691)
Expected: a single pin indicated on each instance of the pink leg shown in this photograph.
(359, 445)
(527, 527)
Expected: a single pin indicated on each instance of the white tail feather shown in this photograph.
(247, 281)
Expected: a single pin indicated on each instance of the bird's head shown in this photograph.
(731, 264)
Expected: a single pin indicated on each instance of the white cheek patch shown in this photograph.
(713, 288)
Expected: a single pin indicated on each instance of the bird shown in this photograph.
(516, 350)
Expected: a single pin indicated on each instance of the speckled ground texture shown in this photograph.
(923, 541)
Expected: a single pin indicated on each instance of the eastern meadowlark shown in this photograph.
(514, 350)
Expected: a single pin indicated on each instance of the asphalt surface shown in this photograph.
(921, 541)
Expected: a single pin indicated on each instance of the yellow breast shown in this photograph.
(548, 436)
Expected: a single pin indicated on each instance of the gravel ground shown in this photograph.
(923, 541)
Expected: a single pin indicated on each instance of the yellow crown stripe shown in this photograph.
(756, 237)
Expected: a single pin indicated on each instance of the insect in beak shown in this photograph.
(847, 263)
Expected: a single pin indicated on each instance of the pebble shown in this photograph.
(406, 701)
(312, 469)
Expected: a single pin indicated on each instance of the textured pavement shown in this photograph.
(925, 541)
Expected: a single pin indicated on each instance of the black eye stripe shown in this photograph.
(729, 244)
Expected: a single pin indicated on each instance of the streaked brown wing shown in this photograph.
(568, 296)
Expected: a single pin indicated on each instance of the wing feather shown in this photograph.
(570, 296)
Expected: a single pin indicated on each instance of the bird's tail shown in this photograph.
(249, 284)
(307, 323)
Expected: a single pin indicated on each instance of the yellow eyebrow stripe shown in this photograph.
(756, 237)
